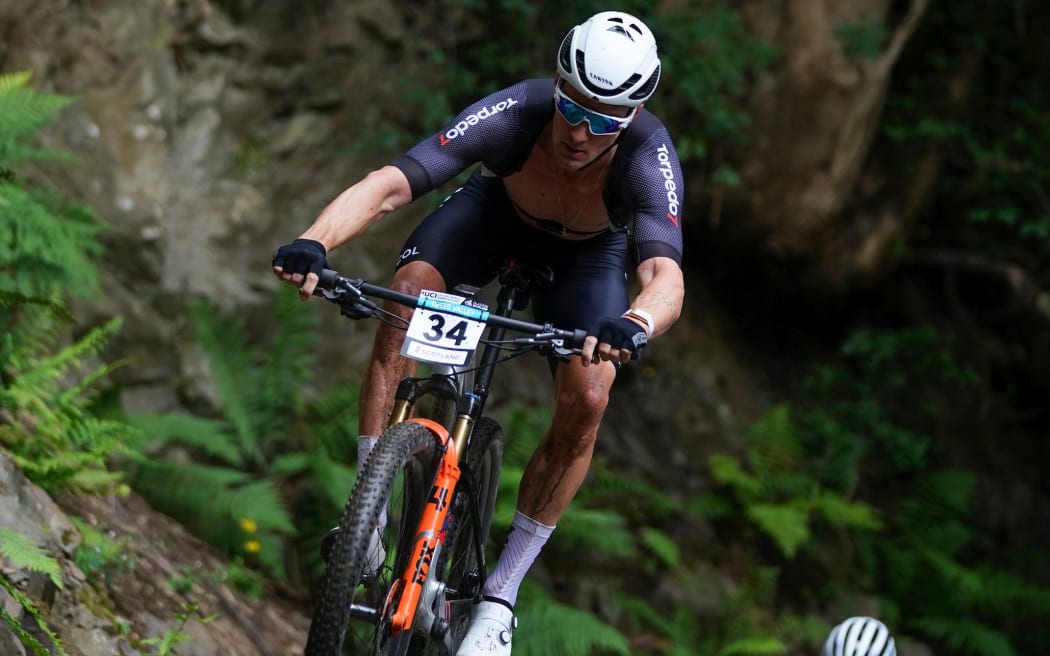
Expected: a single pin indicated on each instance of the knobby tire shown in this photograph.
(397, 476)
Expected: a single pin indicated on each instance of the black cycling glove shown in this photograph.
(301, 256)
(620, 333)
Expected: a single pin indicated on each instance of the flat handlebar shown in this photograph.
(356, 292)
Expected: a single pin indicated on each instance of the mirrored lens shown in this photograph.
(597, 123)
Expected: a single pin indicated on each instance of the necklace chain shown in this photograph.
(566, 222)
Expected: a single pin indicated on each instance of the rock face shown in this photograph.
(800, 190)
(205, 138)
(134, 586)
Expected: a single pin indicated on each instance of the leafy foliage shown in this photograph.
(710, 56)
(98, 554)
(566, 630)
(24, 554)
(46, 245)
(46, 241)
(865, 406)
(23, 111)
(51, 433)
(266, 452)
(780, 496)
(856, 432)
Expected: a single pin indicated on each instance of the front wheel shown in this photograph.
(349, 611)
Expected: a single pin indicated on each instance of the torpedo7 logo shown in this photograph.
(663, 154)
(473, 119)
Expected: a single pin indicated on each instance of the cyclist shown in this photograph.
(860, 636)
(574, 174)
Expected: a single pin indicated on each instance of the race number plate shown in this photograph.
(445, 329)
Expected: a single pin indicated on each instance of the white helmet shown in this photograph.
(611, 58)
(860, 636)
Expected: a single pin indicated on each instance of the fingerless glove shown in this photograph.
(301, 256)
(621, 333)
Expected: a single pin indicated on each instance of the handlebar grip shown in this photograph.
(578, 336)
(327, 278)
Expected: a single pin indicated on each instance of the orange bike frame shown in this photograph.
(430, 532)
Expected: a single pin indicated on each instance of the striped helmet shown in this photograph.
(860, 636)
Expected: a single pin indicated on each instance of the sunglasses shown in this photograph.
(597, 123)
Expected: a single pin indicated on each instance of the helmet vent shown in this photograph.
(646, 90)
(563, 52)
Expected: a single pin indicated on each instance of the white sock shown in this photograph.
(526, 539)
(365, 444)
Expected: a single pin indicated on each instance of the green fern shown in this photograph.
(841, 512)
(550, 627)
(597, 532)
(333, 478)
(629, 495)
(741, 628)
(26, 638)
(46, 242)
(332, 422)
(787, 524)
(778, 491)
(53, 438)
(24, 554)
(727, 470)
(210, 436)
(288, 361)
(758, 646)
(661, 545)
(256, 461)
(232, 366)
(22, 113)
(524, 428)
(1004, 594)
(677, 631)
(49, 241)
(966, 636)
(214, 502)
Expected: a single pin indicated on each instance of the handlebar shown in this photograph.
(353, 295)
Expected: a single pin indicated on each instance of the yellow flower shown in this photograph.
(252, 546)
(248, 525)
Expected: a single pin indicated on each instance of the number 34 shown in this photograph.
(457, 333)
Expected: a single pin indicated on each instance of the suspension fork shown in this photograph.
(430, 532)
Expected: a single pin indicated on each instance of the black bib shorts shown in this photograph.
(476, 230)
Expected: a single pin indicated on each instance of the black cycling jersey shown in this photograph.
(644, 189)
(475, 231)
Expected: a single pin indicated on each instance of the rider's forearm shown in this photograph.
(359, 206)
(661, 296)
